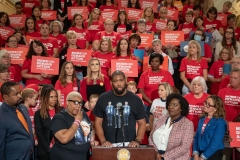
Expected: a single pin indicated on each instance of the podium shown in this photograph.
(142, 152)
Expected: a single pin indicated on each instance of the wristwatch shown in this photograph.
(137, 140)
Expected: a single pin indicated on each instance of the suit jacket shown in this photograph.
(42, 128)
(15, 141)
(212, 138)
(180, 139)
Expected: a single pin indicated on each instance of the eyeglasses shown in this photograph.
(198, 34)
(76, 102)
(226, 53)
(13, 41)
(228, 32)
(235, 63)
(109, 24)
(207, 104)
(6, 57)
(173, 104)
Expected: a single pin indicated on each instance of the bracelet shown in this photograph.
(76, 123)
(137, 140)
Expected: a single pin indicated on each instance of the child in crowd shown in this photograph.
(188, 25)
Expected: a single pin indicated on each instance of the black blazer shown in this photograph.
(42, 129)
(15, 141)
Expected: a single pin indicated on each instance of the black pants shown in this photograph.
(216, 156)
(43, 157)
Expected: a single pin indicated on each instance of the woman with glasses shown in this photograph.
(216, 74)
(229, 40)
(42, 121)
(4, 74)
(56, 29)
(198, 23)
(6, 60)
(208, 141)
(72, 130)
(195, 99)
(172, 135)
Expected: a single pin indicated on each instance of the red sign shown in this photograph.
(126, 34)
(234, 133)
(134, 14)
(81, 10)
(49, 15)
(223, 19)
(6, 32)
(108, 14)
(79, 56)
(146, 65)
(122, 4)
(146, 40)
(160, 24)
(17, 54)
(172, 14)
(47, 65)
(29, 39)
(140, 96)
(127, 66)
(149, 3)
(17, 20)
(172, 37)
(179, 5)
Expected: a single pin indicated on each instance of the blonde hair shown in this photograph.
(89, 72)
(230, 53)
(2, 52)
(93, 96)
(152, 16)
(70, 34)
(90, 20)
(28, 93)
(167, 86)
(132, 83)
(193, 42)
(110, 48)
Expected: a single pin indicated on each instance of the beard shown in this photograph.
(120, 92)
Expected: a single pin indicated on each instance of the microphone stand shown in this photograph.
(122, 125)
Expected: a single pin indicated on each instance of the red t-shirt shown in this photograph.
(105, 7)
(65, 90)
(33, 34)
(185, 9)
(186, 28)
(90, 115)
(83, 89)
(151, 27)
(205, 123)
(114, 37)
(105, 60)
(149, 82)
(224, 83)
(207, 51)
(27, 66)
(121, 28)
(231, 101)
(28, 5)
(82, 37)
(237, 33)
(51, 113)
(61, 40)
(195, 107)
(18, 69)
(215, 23)
(50, 43)
(38, 24)
(216, 71)
(193, 68)
(12, 73)
(94, 28)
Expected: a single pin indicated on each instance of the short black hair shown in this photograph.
(18, 3)
(6, 87)
(118, 73)
(203, 34)
(231, 16)
(135, 36)
(155, 55)
(183, 102)
(197, 7)
(212, 10)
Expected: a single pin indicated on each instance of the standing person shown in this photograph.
(42, 121)
(231, 20)
(36, 15)
(104, 54)
(50, 43)
(193, 60)
(83, 36)
(16, 138)
(108, 135)
(208, 141)
(188, 26)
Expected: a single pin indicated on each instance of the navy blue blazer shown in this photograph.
(15, 141)
(212, 138)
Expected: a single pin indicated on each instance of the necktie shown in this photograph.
(22, 120)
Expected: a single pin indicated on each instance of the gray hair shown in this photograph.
(59, 23)
(140, 21)
(2, 52)
(73, 94)
(202, 81)
(157, 41)
(235, 70)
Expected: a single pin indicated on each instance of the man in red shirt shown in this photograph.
(231, 96)
(108, 33)
(50, 43)
(235, 65)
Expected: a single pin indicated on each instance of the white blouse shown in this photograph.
(161, 135)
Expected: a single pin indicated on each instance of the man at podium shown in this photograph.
(124, 133)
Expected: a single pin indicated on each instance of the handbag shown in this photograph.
(172, 53)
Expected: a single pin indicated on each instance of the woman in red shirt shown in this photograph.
(169, 4)
(192, 66)
(85, 3)
(108, 4)
(36, 48)
(4, 22)
(6, 59)
(104, 54)
(36, 15)
(215, 74)
(148, 15)
(66, 83)
(45, 5)
(30, 28)
(188, 6)
(95, 82)
(83, 36)
(198, 23)
(56, 29)
(93, 25)
(122, 24)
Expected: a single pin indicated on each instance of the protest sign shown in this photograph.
(134, 14)
(79, 56)
(17, 20)
(160, 24)
(6, 32)
(172, 14)
(149, 3)
(234, 132)
(17, 55)
(108, 14)
(49, 15)
(146, 65)
(127, 66)
(223, 19)
(172, 37)
(146, 40)
(81, 10)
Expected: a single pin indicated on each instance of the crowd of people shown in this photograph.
(183, 109)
